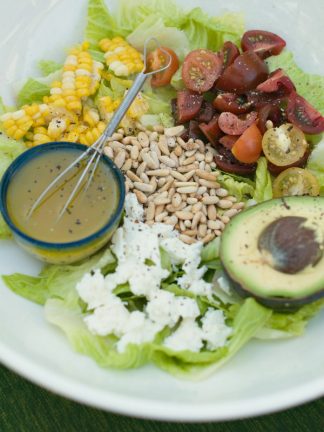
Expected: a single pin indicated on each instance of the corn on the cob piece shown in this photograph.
(40, 136)
(90, 116)
(92, 134)
(107, 106)
(139, 107)
(121, 58)
(80, 79)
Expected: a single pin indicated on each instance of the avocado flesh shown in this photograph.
(253, 272)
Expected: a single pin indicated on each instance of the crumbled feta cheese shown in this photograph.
(187, 337)
(215, 331)
(137, 248)
(134, 210)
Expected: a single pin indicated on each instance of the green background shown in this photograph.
(25, 407)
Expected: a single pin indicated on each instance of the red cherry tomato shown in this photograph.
(188, 105)
(247, 71)
(248, 147)
(233, 125)
(301, 163)
(226, 161)
(303, 115)
(273, 113)
(211, 130)
(264, 43)
(156, 60)
(228, 141)
(277, 81)
(231, 52)
(200, 69)
(206, 112)
(231, 102)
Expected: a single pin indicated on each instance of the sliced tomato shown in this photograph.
(227, 162)
(231, 124)
(200, 69)
(233, 103)
(273, 113)
(228, 141)
(259, 99)
(301, 163)
(156, 60)
(277, 81)
(247, 71)
(302, 114)
(248, 147)
(264, 43)
(211, 130)
(231, 52)
(295, 181)
(188, 105)
(206, 113)
(284, 145)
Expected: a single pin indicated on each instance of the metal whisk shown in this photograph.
(95, 151)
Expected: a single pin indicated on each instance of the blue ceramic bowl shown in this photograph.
(61, 253)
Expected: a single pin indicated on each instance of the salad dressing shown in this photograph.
(88, 212)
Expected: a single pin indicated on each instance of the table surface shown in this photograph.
(25, 407)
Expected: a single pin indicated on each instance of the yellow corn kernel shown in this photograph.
(139, 107)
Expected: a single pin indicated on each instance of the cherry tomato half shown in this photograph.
(200, 69)
(231, 52)
(277, 81)
(248, 147)
(302, 114)
(284, 145)
(156, 60)
(231, 124)
(228, 141)
(247, 71)
(231, 102)
(264, 43)
(188, 105)
(211, 130)
(295, 181)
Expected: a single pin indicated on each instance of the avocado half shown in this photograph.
(274, 252)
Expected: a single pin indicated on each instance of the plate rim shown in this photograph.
(145, 408)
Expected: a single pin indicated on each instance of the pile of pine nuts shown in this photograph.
(175, 181)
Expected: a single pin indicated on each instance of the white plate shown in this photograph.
(263, 377)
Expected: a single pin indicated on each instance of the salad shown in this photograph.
(204, 148)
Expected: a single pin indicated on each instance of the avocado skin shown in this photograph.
(279, 304)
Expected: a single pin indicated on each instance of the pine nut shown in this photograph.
(189, 174)
(207, 176)
(187, 189)
(202, 230)
(142, 198)
(163, 146)
(133, 176)
(196, 220)
(215, 224)
(182, 184)
(159, 209)
(197, 207)
(144, 187)
(161, 216)
(208, 238)
(201, 190)
(187, 168)
(189, 161)
(211, 212)
(153, 136)
(187, 239)
(182, 226)
(209, 184)
(238, 206)
(190, 232)
(174, 131)
(172, 220)
(183, 215)
(161, 200)
(224, 204)
(127, 165)
(187, 223)
(175, 159)
(177, 175)
(158, 129)
(200, 157)
(150, 211)
(191, 200)
(167, 161)
(210, 200)
(221, 192)
(171, 142)
(141, 168)
(176, 200)
(230, 213)
(109, 152)
(120, 158)
(158, 172)
(224, 219)
(178, 151)
(209, 157)
(143, 139)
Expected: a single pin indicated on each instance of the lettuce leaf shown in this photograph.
(316, 164)
(250, 318)
(263, 184)
(153, 26)
(32, 91)
(204, 31)
(100, 23)
(242, 188)
(310, 86)
(49, 66)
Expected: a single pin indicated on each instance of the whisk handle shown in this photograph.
(125, 104)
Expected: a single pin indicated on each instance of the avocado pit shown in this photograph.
(289, 246)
